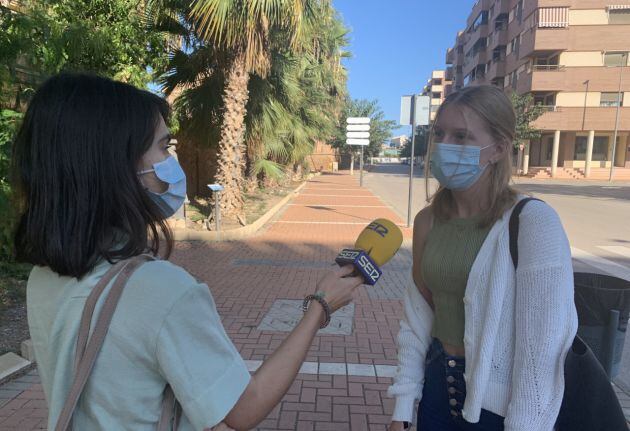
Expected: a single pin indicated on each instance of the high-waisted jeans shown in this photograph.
(444, 394)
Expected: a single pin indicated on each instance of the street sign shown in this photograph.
(422, 110)
(358, 127)
(362, 142)
(360, 135)
(358, 120)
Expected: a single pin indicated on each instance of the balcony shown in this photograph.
(449, 74)
(474, 37)
(571, 79)
(497, 38)
(496, 70)
(544, 40)
(478, 7)
(481, 57)
(450, 55)
(595, 118)
(598, 38)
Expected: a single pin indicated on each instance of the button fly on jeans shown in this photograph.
(452, 363)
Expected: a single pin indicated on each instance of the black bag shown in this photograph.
(589, 402)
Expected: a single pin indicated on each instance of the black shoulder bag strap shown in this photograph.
(514, 224)
(589, 402)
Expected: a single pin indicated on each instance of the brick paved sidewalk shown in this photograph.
(343, 384)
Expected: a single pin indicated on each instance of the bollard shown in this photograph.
(217, 189)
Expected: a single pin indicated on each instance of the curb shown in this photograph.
(239, 233)
(12, 365)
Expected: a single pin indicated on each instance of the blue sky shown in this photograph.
(396, 44)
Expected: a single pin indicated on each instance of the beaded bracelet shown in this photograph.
(319, 297)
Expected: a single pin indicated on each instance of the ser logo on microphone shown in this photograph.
(349, 254)
(369, 269)
(378, 228)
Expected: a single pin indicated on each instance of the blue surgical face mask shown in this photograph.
(169, 171)
(457, 167)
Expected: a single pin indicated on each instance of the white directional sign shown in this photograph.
(421, 111)
(358, 120)
(358, 127)
(362, 142)
(361, 135)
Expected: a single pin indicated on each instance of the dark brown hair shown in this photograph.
(74, 168)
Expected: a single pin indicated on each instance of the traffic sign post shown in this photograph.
(414, 111)
(358, 133)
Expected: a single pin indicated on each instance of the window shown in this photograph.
(545, 99)
(615, 58)
(549, 148)
(437, 81)
(580, 147)
(514, 79)
(619, 16)
(482, 19)
(611, 99)
(501, 22)
(436, 95)
(514, 45)
(600, 148)
(499, 82)
(519, 11)
(498, 53)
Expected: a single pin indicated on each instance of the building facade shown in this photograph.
(438, 86)
(573, 57)
(398, 141)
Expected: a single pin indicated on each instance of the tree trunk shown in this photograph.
(231, 166)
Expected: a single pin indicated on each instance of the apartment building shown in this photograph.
(398, 141)
(572, 56)
(438, 86)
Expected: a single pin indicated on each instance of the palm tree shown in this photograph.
(243, 28)
(300, 100)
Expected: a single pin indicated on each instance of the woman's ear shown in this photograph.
(500, 150)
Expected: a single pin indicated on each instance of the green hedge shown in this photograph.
(9, 122)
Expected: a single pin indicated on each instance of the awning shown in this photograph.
(553, 17)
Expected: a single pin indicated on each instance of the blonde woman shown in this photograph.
(482, 345)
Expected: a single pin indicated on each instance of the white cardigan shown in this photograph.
(519, 327)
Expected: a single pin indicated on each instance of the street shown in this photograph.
(594, 214)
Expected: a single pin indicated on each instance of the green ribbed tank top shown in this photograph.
(451, 248)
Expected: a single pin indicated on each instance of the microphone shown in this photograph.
(374, 247)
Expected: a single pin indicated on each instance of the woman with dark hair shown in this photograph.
(95, 182)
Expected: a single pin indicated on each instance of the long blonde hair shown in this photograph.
(495, 109)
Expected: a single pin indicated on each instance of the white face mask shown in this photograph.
(171, 172)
